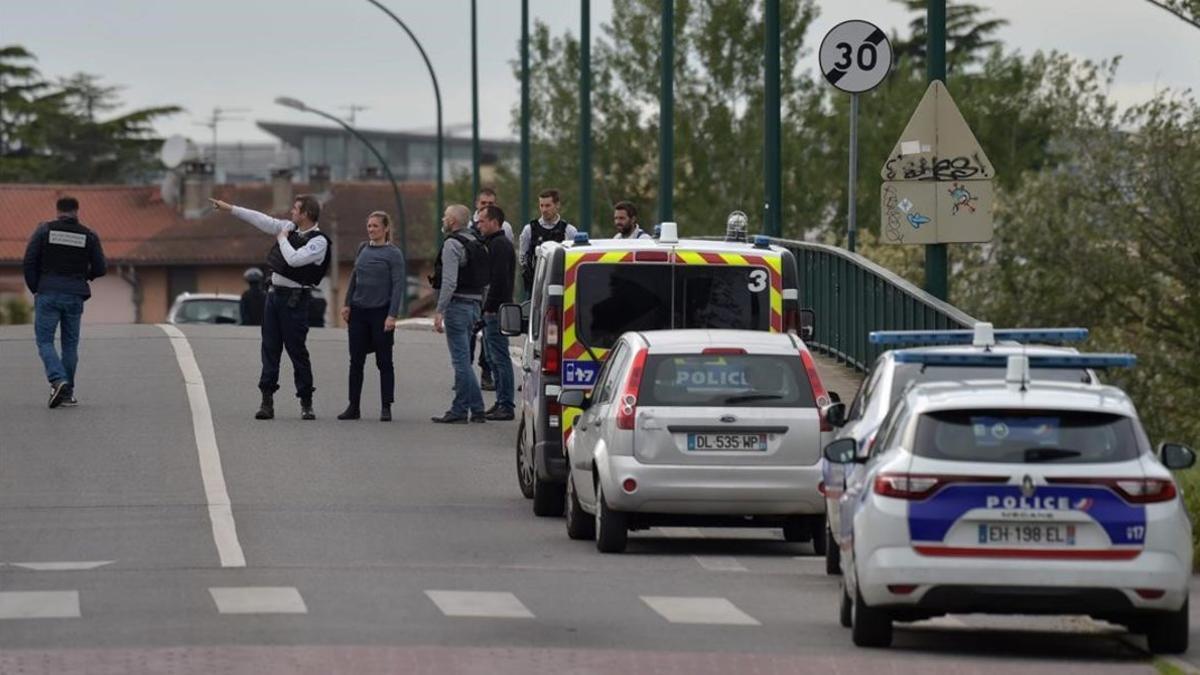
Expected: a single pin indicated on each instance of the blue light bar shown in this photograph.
(762, 241)
(581, 238)
(985, 360)
(966, 337)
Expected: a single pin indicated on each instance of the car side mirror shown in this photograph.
(835, 397)
(835, 414)
(1176, 456)
(574, 398)
(842, 451)
(511, 322)
(808, 324)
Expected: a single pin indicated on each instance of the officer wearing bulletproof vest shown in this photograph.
(254, 298)
(549, 227)
(61, 258)
(298, 262)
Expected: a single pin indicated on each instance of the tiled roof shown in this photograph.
(136, 227)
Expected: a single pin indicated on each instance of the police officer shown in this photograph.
(460, 276)
(549, 227)
(253, 298)
(625, 221)
(298, 262)
(62, 256)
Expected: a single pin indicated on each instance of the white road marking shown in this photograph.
(39, 605)
(62, 566)
(719, 563)
(492, 605)
(258, 600)
(220, 510)
(699, 610)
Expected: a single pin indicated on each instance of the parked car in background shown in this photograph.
(214, 308)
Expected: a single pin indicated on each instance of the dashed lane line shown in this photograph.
(480, 604)
(65, 566)
(258, 600)
(718, 611)
(39, 605)
(220, 510)
(720, 563)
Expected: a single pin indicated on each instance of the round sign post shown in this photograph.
(855, 57)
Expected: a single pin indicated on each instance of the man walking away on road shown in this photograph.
(61, 258)
(485, 198)
(254, 298)
(377, 286)
(503, 262)
(549, 227)
(460, 276)
(298, 261)
(625, 220)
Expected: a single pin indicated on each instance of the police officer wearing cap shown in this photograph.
(254, 298)
(298, 262)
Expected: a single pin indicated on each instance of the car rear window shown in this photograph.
(906, 373)
(736, 380)
(1026, 436)
(209, 311)
(614, 298)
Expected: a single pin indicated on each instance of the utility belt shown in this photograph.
(293, 296)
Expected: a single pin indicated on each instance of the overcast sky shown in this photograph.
(332, 53)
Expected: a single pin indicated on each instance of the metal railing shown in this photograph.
(853, 296)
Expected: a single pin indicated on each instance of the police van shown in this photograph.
(587, 293)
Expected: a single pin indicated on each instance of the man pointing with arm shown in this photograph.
(298, 262)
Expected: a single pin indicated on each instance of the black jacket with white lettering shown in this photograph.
(62, 256)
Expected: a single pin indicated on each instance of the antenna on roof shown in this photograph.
(354, 109)
(219, 115)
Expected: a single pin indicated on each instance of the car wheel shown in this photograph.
(612, 527)
(816, 532)
(580, 525)
(833, 554)
(524, 467)
(869, 627)
(1168, 634)
(846, 610)
(796, 530)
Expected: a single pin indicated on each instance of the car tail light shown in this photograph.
(551, 354)
(901, 589)
(629, 485)
(723, 351)
(821, 488)
(1132, 490)
(627, 404)
(919, 486)
(553, 412)
(818, 389)
(1150, 593)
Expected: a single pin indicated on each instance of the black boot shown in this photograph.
(350, 413)
(266, 411)
(306, 409)
(385, 414)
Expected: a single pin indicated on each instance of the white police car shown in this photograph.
(889, 379)
(1016, 496)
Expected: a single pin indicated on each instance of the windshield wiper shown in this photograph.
(1049, 454)
(751, 397)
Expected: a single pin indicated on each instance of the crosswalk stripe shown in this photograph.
(699, 610)
(39, 605)
(258, 600)
(483, 604)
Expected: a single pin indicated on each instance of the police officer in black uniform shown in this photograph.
(298, 262)
(62, 256)
(254, 298)
(549, 227)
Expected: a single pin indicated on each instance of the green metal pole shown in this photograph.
(936, 258)
(774, 181)
(585, 116)
(666, 117)
(474, 106)
(526, 196)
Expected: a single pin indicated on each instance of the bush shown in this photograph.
(16, 311)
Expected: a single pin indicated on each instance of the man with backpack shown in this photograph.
(460, 276)
(549, 227)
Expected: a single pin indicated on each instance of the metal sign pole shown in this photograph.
(852, 189)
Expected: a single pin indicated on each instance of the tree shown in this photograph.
(969, 37)
(57, 132)
(1185, 10)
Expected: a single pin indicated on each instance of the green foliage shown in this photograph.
(15, 311)
(55, 132)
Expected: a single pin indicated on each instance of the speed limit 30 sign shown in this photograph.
(855, 56)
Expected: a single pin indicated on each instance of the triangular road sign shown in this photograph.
(937, 144)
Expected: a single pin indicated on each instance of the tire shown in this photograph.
(580, 525)
(796, 530)
(846, 610)
(549, 498)
(869, 627)
(818, 533)
(612, 527)
(1168, 634)
(524, 471)
(833, 555)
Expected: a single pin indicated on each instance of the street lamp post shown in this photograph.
(437, 94)
(299, 105)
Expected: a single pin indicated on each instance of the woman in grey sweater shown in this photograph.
(372, 304)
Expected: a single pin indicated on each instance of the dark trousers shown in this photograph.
(367, 335)
(285, 326)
